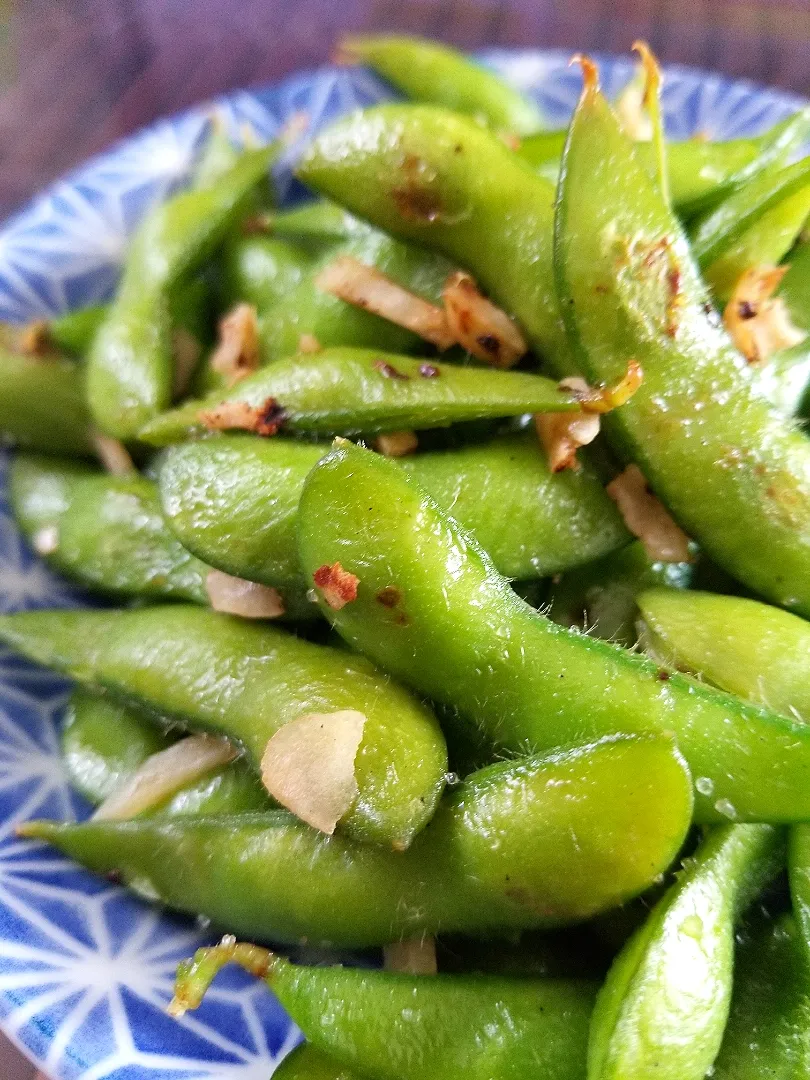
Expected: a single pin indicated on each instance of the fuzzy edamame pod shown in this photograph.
(208, 671)
(750, 649)
(663, 1008)
(74, 331)
(307, 1063)
(457, 632)
(430, 175)
(428, 71)
(104, 743)
(261, 270)
(129, 368)
(364, 391)
(768, 1029)
(451, 1026)
(42, 405)
(526, 843)
(709, 445)
(233, 501)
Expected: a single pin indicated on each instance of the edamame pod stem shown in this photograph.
(750, 649)
(538, 842)
(42, 406)
(458, 633)
(428, 71)
(307, 1063)
(417, 1027)
(768, 1029)
(364, 391)
(233, 501)
(710, 446)
(785, 377)
(430, 175)
(129, 371)
(662, 1010)
(109, 533)
(601, 599)
(104, 743)
(208, 671)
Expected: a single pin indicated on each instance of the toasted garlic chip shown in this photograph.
(478, 325)
(308, 343)
(415, 956)
(338, 587)
(236, 596)
(368, 288)
(164, 773)
(758, 322)
(264, 419)
(237, 352)
(647, 518)
(562, 434)
(396, 443)
(308, 766)
(112, 454)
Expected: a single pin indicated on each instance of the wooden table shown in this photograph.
(77, 74)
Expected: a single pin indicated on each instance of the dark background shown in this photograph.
(77, 74)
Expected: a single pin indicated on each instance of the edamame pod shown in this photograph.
(316, 224)
(233, 501)
(709, 445)
(768, 1029)
(451, 1026)
(601, 599)
(208, 671)
(428, 71)
(431, 609)
(42, 405)
(74, 331)
(538, 842)
(261, 270)
(129, 370)
(750, 649)
(104, 743)
(307, 1063)
(784, 379)
(364, 391)
(429, 175)
(663, 1008)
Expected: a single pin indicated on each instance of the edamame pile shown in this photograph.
(458, 523)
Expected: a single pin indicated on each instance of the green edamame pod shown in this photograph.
(756, 225)
(364, 391)
(768, 1029)
(663, 1008)
(784, 379)
(750, 649)
(74, 331)
(129, 373)
(307, 1063)
(104, 743)
(601, 599)
(532, 843)
(261, 270)
(429, 175)
(427, 71)
(449, 1026)
(458, 633)
(233, 501)
(42, 406)
(214, 672)
(308, 309)
(317, 224)
(709, 445)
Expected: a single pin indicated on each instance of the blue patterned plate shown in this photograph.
(85, 970)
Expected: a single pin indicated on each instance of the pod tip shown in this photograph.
(590, 71)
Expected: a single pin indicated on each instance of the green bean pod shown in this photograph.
(750, 649)
(42, 405)
(768, 1030)
(363, 391)
(532, 843)
(452, 1026)
(457, 632)
(428, 71)
(104, 743)
(208, 671)
(129, 372)
(233, 501)
(663, 1008)
(307, 1063)
(710, 446)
